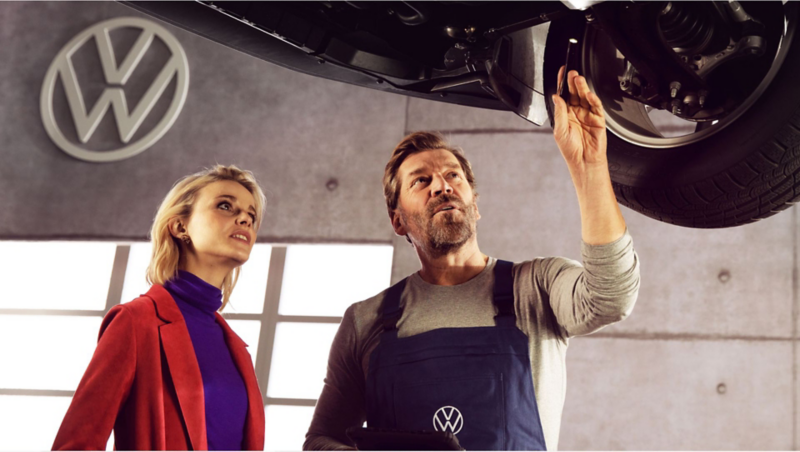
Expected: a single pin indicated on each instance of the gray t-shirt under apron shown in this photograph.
(555, 298)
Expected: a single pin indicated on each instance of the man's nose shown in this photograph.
(439, 186)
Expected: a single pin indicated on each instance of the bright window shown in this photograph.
(299, 359)
(48, 347)
(249, 331)
(286, 426)
(135, 283)
(55, 275)
(248, 295)
(30, 422)
(45, 352)
(324, 280)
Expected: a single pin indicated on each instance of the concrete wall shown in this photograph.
(708, 360)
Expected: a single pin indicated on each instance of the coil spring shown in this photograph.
(685, 26)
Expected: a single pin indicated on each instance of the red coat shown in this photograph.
(144, 381)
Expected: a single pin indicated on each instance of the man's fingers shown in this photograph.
(574, 100)
(597, 105)
(560, 120)
(583, 91)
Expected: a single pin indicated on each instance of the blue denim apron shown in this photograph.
(474, 382)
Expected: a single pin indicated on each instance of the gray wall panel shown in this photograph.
(663, 395)
(682, 291)
(426, 114)
(293, 131)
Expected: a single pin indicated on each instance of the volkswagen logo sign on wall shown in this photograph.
(113, 98)
(448, 419)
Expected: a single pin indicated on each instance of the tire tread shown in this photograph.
(761, 185)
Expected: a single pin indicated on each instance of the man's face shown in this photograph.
(436, 207)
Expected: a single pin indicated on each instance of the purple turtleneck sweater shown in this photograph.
(223, 387)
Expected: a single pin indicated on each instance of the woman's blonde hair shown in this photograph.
(179, 203)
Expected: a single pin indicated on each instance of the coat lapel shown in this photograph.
(254, 424)
(183, 366)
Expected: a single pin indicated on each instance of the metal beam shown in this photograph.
(290, 402)
(36, 392)
(309, 319)
(63, 312)
(117, 276)
(269, 318)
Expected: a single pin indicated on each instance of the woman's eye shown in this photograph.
(225, 205)
(253, 217)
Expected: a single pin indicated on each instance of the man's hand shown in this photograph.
(580, 132)
(580, 127)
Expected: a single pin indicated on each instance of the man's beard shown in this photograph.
(448, 233)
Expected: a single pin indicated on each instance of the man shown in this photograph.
(470, 344)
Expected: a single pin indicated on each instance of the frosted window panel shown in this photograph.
(249, 331)
(76, 274)
(248, 295)
(29, 422)
(286, 426)
(135, 283)
(324, 280)
(45, 352)
(300, 359)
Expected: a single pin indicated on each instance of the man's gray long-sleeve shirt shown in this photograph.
(555, 298)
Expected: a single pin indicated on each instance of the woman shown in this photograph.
(168, 372)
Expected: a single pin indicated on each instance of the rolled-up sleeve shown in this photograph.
(588, 297)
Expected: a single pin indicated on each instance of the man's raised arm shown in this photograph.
(580, 132)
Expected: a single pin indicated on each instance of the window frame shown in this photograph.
(269, 318)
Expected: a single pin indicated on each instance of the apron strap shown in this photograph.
(390, 309)
(503, 294)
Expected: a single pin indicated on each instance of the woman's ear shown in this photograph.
(176, 228)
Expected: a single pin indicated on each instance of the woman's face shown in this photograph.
(221, 226)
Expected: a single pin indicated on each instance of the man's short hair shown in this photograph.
(414, 143)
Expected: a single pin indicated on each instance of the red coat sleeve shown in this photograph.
(104, 387)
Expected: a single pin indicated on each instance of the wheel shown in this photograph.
(743, 167)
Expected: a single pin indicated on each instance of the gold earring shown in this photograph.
(186, 239)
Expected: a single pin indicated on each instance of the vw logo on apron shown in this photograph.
(448, 419)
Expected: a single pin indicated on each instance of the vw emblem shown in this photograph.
(128, 118)
(448, 419)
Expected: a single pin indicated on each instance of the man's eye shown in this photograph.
(418, 180)
(454, 175)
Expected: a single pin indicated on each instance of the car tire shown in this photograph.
(745, 172)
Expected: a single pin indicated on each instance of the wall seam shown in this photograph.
(405, 125)
(541, 130)
(665, 336)
(794, 327)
